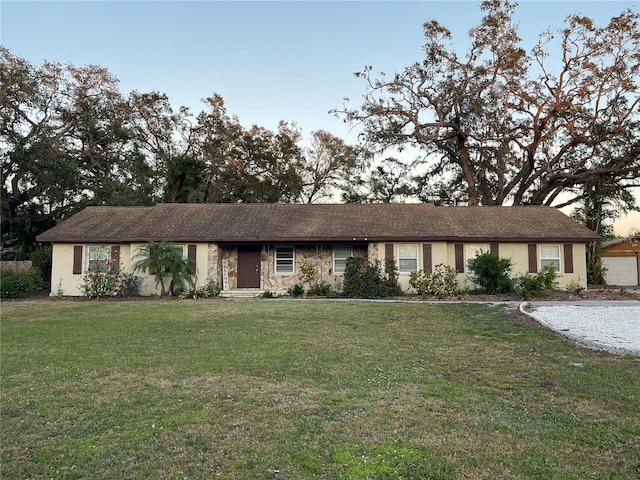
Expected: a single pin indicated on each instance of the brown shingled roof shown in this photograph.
(316, 223)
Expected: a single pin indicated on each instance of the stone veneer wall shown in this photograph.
(321, 257)
(214, 265)
(230, 255)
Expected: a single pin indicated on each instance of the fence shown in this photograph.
(14, 265)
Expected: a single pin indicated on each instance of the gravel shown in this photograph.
(610, 326)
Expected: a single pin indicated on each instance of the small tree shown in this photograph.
(163, 260)
(491, 273)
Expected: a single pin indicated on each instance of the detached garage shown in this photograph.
(621, 258)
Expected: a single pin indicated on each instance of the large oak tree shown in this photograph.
(509, 126)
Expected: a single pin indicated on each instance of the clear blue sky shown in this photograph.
(270, 61)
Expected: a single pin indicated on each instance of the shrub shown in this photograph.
(491, 273)
(322, 289)
(296, 291)
(574, 287)
(195, 293)
(211, 289)
(100, 284)
(110, 284)
(307, 273)
(536, 285)
(129, 285)
(41, 260)
(441, 282)
(19, 284)
(363, 279)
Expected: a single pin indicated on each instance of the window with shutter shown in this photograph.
(77, 259)
(459, 254)
(427, 261)
(568, 258)
(533, 257)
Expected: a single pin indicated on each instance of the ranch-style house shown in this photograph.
(259, 247)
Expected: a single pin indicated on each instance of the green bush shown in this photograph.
(322, 289)
(441, 282)
(130, 285)
(41, 260)
(195, 293)
(491, 273)
(19, 284)
(110, 284)
(536, 285)
(363, 279)
(296, 291)
(100, 284)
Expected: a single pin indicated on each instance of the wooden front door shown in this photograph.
(248, 267)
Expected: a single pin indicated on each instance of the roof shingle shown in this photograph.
(316, 223)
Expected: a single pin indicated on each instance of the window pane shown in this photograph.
(407, 250)
(98, 259)
(550, 255)
(284, 259)
(408, 257)
(407, 264)
(340, 255)
(550, 251)
(555, 263)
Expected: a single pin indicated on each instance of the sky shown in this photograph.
(270, 61)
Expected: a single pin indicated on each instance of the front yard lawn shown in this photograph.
(267, 389)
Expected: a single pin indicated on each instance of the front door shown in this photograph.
(248, 267)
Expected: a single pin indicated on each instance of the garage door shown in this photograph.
(621, 270)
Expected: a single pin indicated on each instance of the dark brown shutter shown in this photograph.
(427, 264)
(191, 252)
(115, 259)
(77, 259)
(533, 258)
(568, 258)
(459, 257)
(494, 248)
(388, 255)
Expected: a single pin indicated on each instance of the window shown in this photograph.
(407, 257)
(550, 255)
(98, 259)
(340, 255)
(284, 259)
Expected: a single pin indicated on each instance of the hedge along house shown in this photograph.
(263, 246)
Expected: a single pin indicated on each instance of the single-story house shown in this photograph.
(263, 246)
(621, 258)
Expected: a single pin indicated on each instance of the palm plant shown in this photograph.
(163, 260)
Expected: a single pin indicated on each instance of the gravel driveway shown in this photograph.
(611, 326)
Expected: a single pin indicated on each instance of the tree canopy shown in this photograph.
(69, 138)
(504, 125)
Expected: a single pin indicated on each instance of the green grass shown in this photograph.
(307, 389)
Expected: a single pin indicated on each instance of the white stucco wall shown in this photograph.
(444, 253)
(65, 282)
